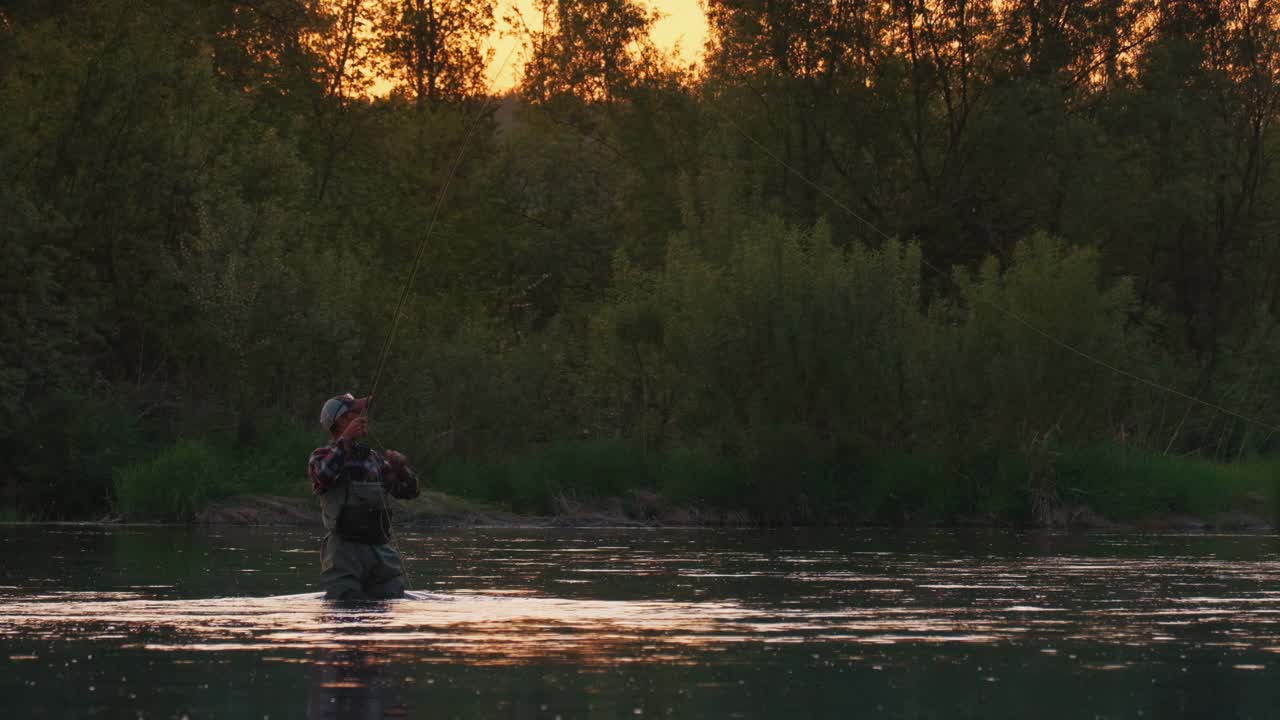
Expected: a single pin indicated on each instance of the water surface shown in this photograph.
(162, 622)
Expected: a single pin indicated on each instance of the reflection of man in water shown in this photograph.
(348, 685)
(343, 688)
(356, 560)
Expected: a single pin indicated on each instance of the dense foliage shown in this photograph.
(859, 230)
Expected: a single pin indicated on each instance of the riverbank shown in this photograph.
(435, 510)
(1100, 487)
(614, 482)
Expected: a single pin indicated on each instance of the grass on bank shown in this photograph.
(179, 481)
(988, 487)
(849, 487)
(1127, 486)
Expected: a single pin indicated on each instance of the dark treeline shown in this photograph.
(210, 208)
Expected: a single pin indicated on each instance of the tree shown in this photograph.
(435, 49)
(267, 46)
(595, 50)
(808, 39)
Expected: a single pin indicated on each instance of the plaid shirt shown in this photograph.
(326, 465)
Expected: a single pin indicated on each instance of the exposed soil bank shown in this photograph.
(431, 509)
(438, 510)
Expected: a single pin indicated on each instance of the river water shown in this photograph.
(165, 622)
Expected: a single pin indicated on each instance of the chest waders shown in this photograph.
(359, 511)
(356, 560)
(364, 518)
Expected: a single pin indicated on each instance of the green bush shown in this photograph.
(590, 470)
(791, 330)
(1127, 485)
(996, 381)
(538, 479)
(488, 482)
(177, 483)
(277, 465)
(63, 460)
(695, 478)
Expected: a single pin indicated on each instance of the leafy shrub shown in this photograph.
(1127, 484)
(277, 465)
(177, 483)
(63, 458)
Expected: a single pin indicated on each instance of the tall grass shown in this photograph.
(989, 487)
(539, 481)
(1128, 485)
(844, 486)
(62, 460)
(179, 481)
(175, 484)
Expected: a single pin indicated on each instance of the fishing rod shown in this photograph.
(419, 254)
(422, 244)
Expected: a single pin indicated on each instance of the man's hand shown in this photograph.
(404, 483)
(356, 428)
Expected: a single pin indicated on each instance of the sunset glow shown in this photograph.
(682, 28)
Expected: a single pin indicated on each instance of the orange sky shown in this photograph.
(683, 23)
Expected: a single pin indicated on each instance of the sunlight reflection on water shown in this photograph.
(162, 622)
(919, 600)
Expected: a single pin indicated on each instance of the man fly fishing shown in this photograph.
(356, 560)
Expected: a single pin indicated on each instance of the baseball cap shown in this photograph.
(336, 407)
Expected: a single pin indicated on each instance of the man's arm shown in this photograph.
(325, 464)
(398, 478)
